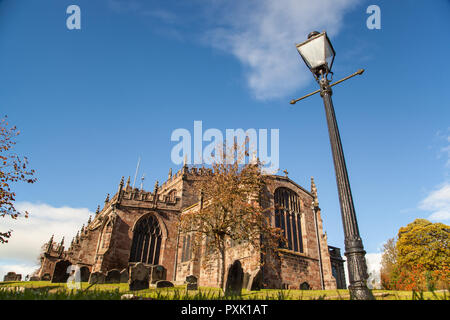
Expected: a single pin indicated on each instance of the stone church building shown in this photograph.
(141, 226)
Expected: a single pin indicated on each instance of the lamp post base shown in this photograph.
(360, 292)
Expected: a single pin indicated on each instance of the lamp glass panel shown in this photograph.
(329, 54)
(313, 52)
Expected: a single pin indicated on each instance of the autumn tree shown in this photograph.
(425, 243)
(388, 263)
(230, 210)
(13, 168)
(419, 259)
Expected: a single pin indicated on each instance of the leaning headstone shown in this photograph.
(60, 273)
(10, 276)
(164, 284)
(305, 286)
(235, 277)
(157, 273)
(139, 277)
(112, 276)
(97, 278)
(245, 280)
(124, 276)
(191, 283)
(255, 281)
(46, 277)
(84, 274)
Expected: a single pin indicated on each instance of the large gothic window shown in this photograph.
(146, 241)
(287, 217)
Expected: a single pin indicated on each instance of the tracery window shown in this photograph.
(186, 252)
(287, 217)
(172, 195)
(146, 243)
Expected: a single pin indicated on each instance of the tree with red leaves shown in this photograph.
(13, 168)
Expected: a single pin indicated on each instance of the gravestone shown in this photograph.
(84, 274)
(255, 281)
(112, 276)
(97, 278)
(60, 273)
(157, 273)
(164, 284)
(34, 278)
(124, 276)
(46, 277)
(235, 277)
(191, 283)
(139, 277)
(305, 286)
(11, 276)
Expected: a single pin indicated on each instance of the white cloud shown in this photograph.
(30, 234)
(23, 269)
(373, 268)
(373, 261)
(262, 36)
(438, 201)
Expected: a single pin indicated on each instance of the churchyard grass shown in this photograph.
(45, 290)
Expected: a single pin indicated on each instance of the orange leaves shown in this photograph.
(13, 169)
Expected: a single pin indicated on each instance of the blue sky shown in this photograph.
(89, 102)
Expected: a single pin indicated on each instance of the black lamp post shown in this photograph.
(318, 54)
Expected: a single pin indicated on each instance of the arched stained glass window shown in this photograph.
(287, 217)
(146, 243)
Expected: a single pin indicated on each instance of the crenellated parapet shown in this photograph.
(54, 249)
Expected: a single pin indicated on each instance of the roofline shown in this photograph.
(289, 180)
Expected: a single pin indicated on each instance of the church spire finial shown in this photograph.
(128, 182)
(121, 184)
(107, 198)
(50, 243)
(98, 210)
(170, 173)
(314, 192)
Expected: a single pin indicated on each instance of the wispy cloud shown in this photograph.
(262, 34)
(30, 234)
(438, 202)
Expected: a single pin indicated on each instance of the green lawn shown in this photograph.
(44, 290)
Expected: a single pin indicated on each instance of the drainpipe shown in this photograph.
(318, 246)
(176, 257)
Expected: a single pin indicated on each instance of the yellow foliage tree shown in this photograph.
(423, 243)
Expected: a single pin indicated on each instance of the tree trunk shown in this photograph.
(222, 260)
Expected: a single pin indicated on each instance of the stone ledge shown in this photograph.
(298, 254)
